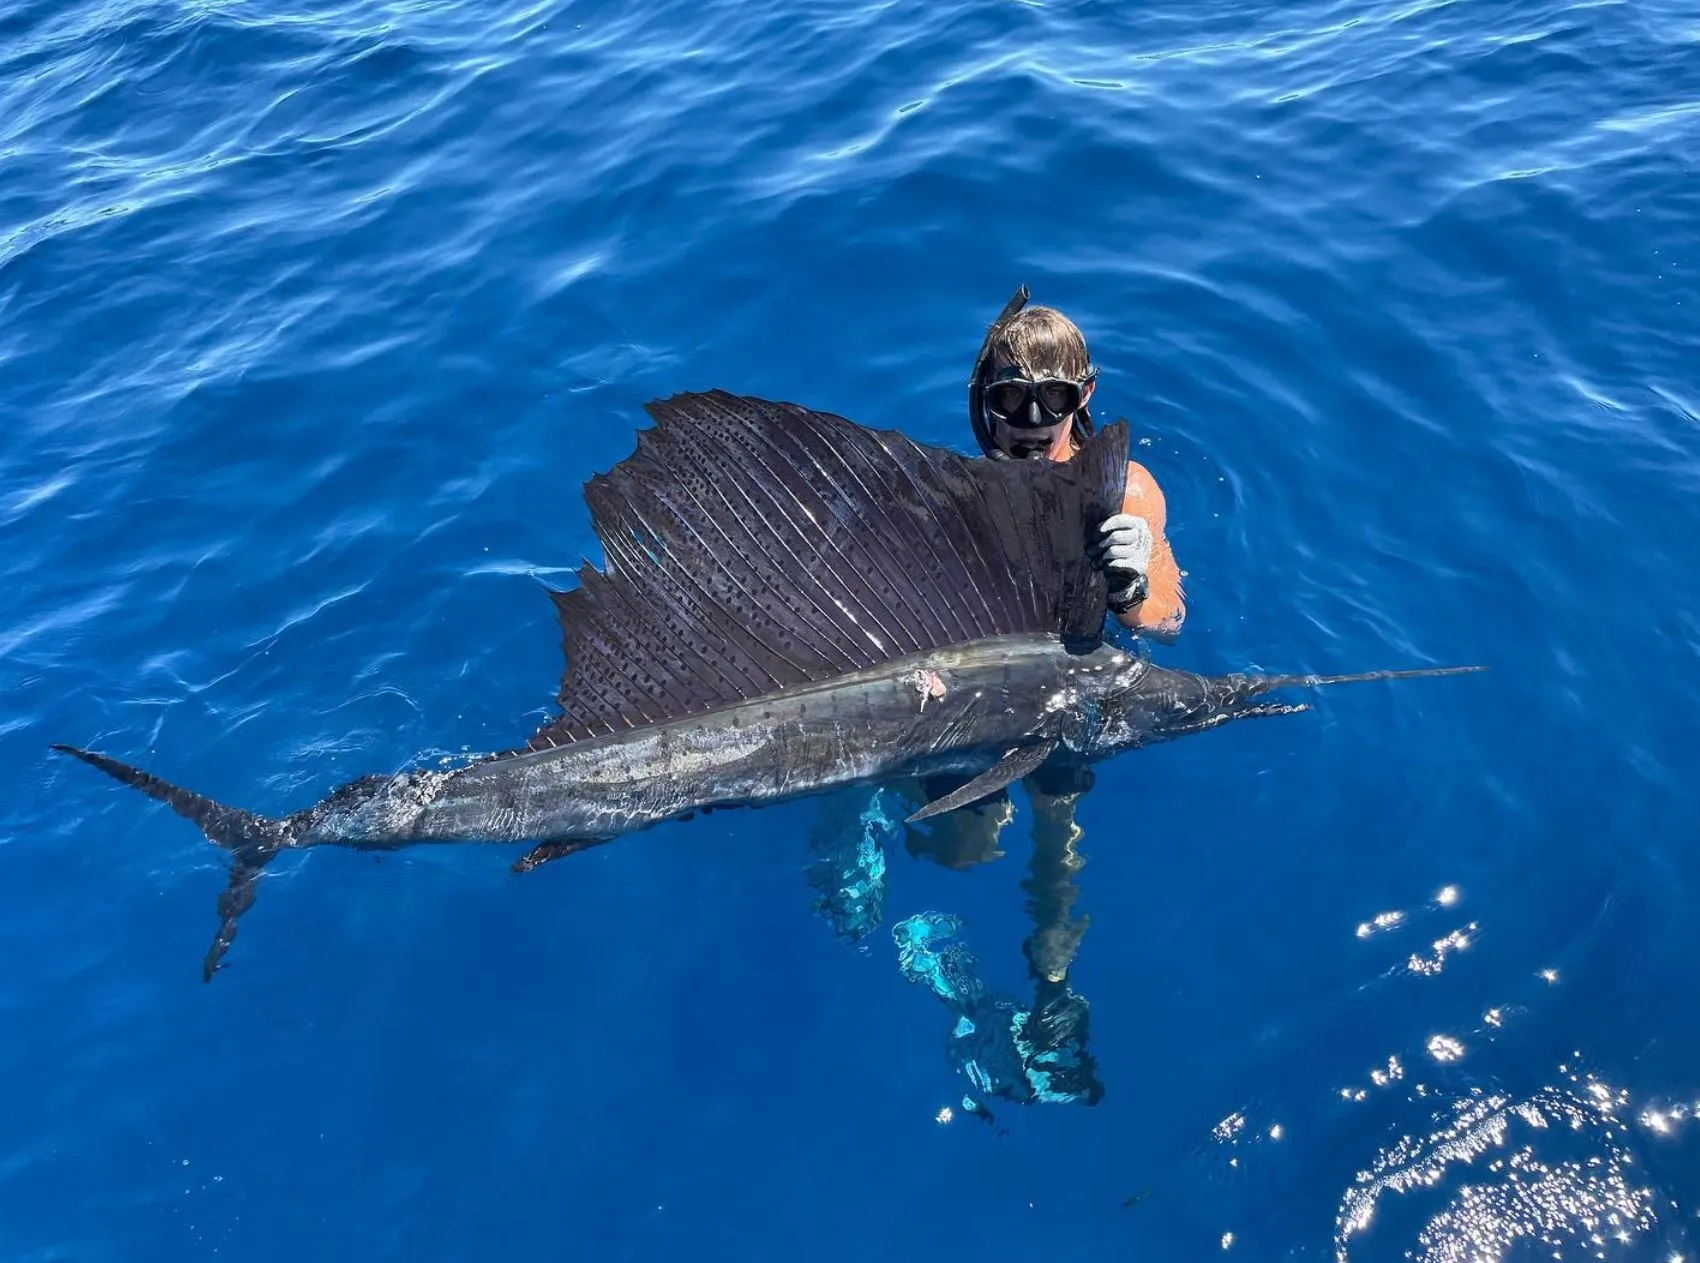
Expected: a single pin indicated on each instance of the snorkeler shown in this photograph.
(1028, 399)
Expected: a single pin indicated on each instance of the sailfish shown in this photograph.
(789, 603)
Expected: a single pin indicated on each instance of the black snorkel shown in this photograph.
(977, 418)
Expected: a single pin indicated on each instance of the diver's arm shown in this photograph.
(1163, 610)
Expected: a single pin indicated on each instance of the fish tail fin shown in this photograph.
(252, 840)
(232, 828)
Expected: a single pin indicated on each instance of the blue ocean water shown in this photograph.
(313, 320)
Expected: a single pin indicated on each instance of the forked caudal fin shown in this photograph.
(252, 840)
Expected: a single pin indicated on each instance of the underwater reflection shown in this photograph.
(1024, 1053)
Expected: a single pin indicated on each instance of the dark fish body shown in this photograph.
(954, 710)
(961, 709)
(951, 710)
(791, 604)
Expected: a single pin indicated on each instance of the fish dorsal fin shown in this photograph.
(753, 546)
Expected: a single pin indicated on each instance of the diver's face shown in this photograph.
(1032, 415)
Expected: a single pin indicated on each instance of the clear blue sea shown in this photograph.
(314, 319)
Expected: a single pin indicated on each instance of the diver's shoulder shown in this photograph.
(1141, 483)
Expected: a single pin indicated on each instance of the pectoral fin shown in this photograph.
(543, 852)
(1012, 767)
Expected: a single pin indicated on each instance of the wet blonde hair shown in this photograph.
(1042, 341)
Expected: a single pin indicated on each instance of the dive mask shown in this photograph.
(1056, 397)
(1010, 399)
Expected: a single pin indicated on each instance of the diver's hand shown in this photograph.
(1123, 552)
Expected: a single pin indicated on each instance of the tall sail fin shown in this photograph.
(753, 546)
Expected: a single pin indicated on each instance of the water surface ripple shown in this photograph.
(315, 318)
